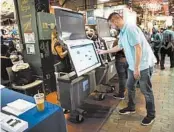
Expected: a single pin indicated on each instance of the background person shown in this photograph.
(167, 48)
(60, 53)
(121, 67)
(156, 40)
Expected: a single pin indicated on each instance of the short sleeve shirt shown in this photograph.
(130, 36)
(59, 50)
(166, 35)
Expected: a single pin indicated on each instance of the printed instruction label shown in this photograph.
(29, 37)
(30, 49)
(85, 85)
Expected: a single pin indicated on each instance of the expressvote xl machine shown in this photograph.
(103, 32)
(77, 85)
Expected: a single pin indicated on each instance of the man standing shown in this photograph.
(140, 59)
(156, 40)
(167, 48)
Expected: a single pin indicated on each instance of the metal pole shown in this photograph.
(85, 4)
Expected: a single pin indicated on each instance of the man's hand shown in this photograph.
(99, 51)
(137, 74)
(112, 50)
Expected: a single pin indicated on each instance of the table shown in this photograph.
(50, 120)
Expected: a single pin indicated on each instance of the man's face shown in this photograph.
(115, 23)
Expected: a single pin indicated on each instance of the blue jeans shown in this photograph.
(121, 68)
(146, 89)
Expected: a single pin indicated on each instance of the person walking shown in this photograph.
(167, 48)
(140, 59)
(156, 40)
(60, 53)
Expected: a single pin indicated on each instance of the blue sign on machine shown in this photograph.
(85, 85)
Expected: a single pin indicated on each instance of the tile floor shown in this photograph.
(163, 86)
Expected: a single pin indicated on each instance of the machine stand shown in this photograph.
(76, 117)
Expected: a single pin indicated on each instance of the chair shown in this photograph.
(24, 87)
(4, 82)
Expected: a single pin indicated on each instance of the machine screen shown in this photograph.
(84, 58)
(72, 28)
(70, 25)
(103, 27)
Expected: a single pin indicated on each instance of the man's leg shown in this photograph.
(131, 94)
(171, 54)
(163, 54)
(121, 70)
(156, 53)
(131, 85)
(146, 89)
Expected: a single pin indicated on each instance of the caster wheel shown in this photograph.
(76, 118)
(79, 118)
(81, 111)
(112, 88)
(101, 97)
(66, 111)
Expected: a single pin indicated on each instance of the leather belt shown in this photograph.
(121, 59)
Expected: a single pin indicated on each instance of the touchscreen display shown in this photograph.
(70, 25)
(103, 27)
(72, 28)
(84, 57)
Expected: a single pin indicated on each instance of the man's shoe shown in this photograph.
(126, 111)
(171, 66)
(147, 121)
(157, 63)
(162, 68)
(118, 96)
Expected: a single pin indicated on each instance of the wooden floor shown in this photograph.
(52, 98)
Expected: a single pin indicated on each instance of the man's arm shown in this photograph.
(60, 51)
(112, 50)
(138, 55)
